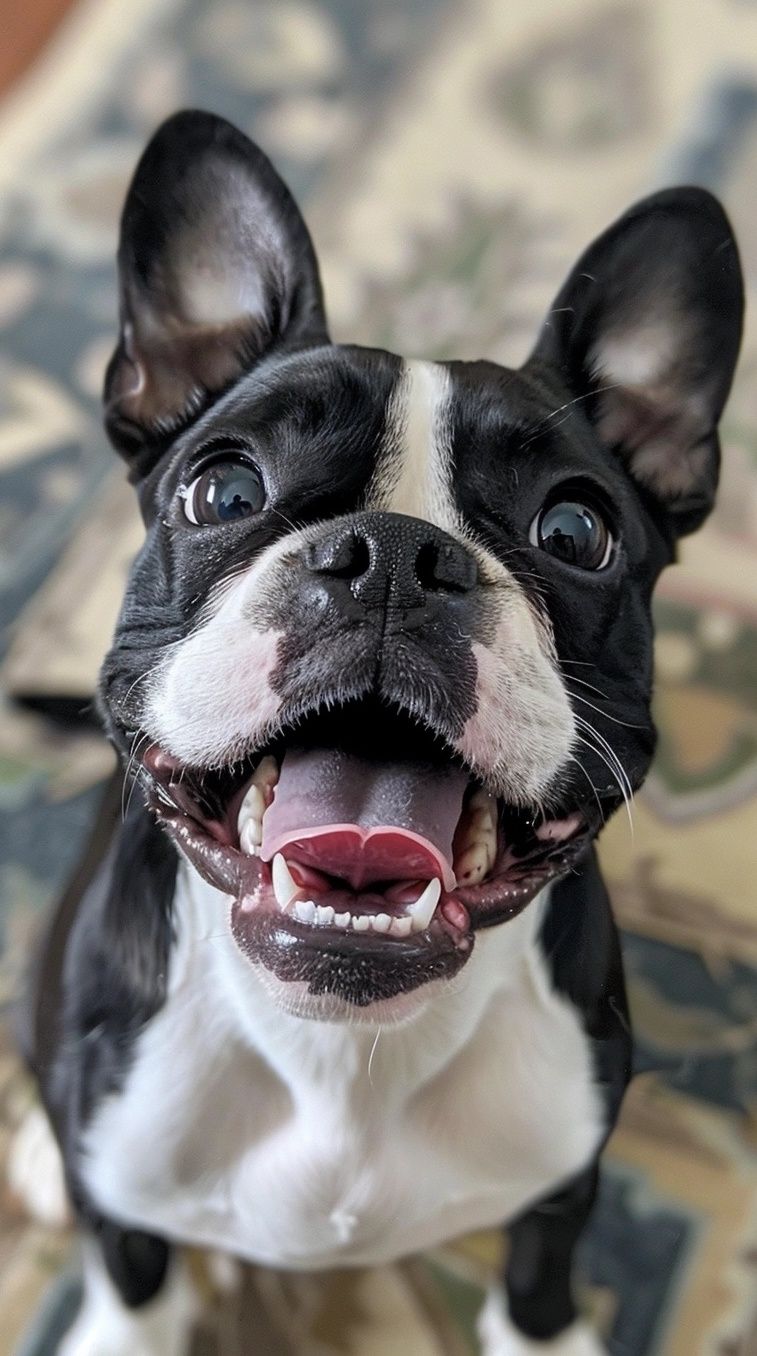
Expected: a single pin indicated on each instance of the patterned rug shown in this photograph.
(453, 160)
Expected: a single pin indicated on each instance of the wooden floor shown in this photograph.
(26, 26)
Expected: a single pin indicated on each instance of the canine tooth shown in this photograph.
(381, 922)
(402, 927)
(284, 887)
(251, 837)
(324, 915)
(342, 920)
(422, 911)
(304, 909)
(361, 922)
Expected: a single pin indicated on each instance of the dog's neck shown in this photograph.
(304, 1051)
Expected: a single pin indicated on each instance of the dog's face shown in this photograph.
(384, 662)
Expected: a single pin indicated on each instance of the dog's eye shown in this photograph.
(573, 533)
(227, 490)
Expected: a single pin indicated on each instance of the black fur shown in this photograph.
(538, 1274)
(313, 417)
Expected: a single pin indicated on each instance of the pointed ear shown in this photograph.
(216, 269)
(647, 328)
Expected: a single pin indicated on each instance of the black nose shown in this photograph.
(388, 561)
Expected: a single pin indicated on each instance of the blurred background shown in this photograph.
(453, 159)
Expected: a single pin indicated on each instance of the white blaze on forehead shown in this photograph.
(522, 730)
(414, 476)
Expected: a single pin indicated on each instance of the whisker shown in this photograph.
(589, 395)
(581, 768)
(139, 735)
(611, 761)
(590, 729)
(629, 725)
(370, 1057)
(284, 519)
(138, 680)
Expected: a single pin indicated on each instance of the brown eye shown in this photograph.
(574, 534)
(226, 491)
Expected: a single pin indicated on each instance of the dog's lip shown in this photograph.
(359, 967)
(210, 845)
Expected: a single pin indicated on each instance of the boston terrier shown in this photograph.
(346, 982)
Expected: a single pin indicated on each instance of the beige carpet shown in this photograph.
(454, 159)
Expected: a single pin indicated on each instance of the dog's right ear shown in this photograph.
(216, 269)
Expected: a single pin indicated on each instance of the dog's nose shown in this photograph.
(388, 561)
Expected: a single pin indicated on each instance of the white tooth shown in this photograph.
(342, 920)
(402, 927)
(251, 836)
(304, 909)
(267, 771)
(361, 922)
(284, 887)
(422, 911)
(380, 922)
(250, 819)
(476, 841)
(253, 805)
(324, 915)
(472, 866)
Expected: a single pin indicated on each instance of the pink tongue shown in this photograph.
(363, 821)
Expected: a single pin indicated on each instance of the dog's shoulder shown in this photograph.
(581, 947)
(101, 970)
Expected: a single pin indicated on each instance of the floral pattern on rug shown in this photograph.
(453, 161)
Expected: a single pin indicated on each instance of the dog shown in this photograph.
(346, 982)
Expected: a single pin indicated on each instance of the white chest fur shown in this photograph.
(310, 1144)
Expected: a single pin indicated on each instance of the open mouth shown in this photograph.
(361, 856)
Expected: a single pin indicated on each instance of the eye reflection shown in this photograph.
(224, 493)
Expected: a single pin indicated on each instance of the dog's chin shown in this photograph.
(331, 975)
(360, 869)
(300, 998)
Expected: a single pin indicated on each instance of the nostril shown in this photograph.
(344, 557)
(445, 566)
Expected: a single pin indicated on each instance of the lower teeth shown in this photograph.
(417, 917)
(307, 911)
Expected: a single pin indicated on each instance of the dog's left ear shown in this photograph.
(646, 331)
(216, 269)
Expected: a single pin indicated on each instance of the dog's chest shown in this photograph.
(336, 1144)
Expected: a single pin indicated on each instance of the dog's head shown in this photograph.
(384, 662)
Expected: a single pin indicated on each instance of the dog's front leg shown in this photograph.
(534, 1314)
(138, 1299)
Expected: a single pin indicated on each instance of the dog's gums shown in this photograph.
(344, 853)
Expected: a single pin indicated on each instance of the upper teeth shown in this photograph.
(476, 841)
(475, 852)
(256, 800)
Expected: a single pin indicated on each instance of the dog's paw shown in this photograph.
(86, 1339)
(499, 1337)
(35, 1171)
(105, 1327)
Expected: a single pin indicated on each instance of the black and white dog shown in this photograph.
(347, 982)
